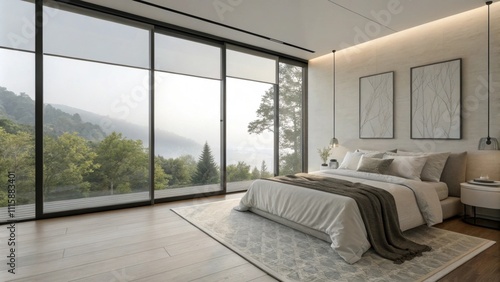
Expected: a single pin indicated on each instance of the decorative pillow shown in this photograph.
(374, 165)
(351, 160)
(433, 167)
(375, 154)
(406, 166)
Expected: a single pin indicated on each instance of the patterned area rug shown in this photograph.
(290, 255)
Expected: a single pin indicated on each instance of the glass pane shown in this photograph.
(182, 56)
(76, 35)
(17, 135)
(17, 24)
(187, 134)
(96, 135)
(250, 137)
(252, 67)
(290, 119)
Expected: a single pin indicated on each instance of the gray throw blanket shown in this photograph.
(378, 211)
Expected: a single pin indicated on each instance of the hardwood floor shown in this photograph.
(154, 244)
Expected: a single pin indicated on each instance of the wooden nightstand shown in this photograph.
(482, 197)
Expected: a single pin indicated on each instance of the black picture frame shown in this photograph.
(376, 106)
(436, 100)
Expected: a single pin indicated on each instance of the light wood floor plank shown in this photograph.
(135, 243)
(33, 259)
(142, 270)
(98, 241)
(24, 234)
(184, 247)
(99, 267)
(197, 270)
(245, 272)
(64, 273)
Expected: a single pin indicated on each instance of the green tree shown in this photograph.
(290, 117)
(124, 164)
(67, 160)
(17, 155)
(207, 171)
(238, 172)
(255, 173)
(179, 169)
(161, 177)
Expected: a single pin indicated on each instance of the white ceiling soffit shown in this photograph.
(316, 25)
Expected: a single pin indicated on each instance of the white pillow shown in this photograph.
(351, 160)
(434, 166)
(406, 166)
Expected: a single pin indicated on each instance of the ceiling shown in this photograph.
(304, 29)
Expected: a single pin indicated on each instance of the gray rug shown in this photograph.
(290, 255)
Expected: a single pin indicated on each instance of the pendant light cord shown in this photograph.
(334, 104)
(488, 141)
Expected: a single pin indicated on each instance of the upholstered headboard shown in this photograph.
(485, 162)
(454, 172)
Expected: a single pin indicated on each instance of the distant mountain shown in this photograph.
(17, 112)
(167, 144)
(57, 122)
(20, 109)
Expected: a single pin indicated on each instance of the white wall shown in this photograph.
(461, 36)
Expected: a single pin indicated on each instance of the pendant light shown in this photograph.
(488, 143)
(334, 142)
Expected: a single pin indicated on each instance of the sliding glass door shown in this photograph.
(250, 121)
(96, 111)
(17, 110)
(187, 116)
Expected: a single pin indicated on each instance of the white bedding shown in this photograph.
(417, 203)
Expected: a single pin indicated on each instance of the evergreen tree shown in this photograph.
(263, 170)
(255, 173)
(207, 171)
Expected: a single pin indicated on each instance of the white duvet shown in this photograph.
(338, 216)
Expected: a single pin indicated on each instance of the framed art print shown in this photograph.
(436, 95)
(376, 106)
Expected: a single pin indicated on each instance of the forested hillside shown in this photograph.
(82, 160)
(20, 109)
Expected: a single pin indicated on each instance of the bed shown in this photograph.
(424, 193)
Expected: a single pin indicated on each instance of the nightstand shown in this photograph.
(482, 197)
(325, 168)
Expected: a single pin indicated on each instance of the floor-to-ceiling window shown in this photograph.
(96, 110)
(17, 110)
(250, 121)
(105, 111)
(187, 115)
